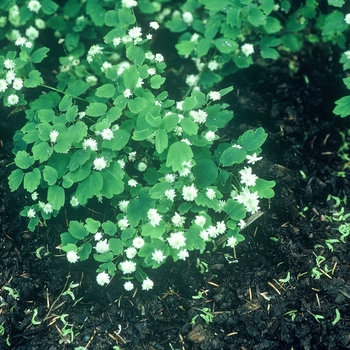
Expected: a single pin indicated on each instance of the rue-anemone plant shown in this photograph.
(108, 135)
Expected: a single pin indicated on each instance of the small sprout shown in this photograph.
(275, 239)
(315, 273)
(13, 292)
(292, 314)
(285, 280)
(35, 313)
(303, 175)
(337, 317)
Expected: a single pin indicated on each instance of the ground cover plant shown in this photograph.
(141, 172)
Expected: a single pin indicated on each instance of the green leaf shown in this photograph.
(120, 139)
(106, 257)
(49, 7)
(32, 180)
(334, 23)
(225, 45)
(92, 225)
(126, 17)
(153, 232)
(232, 155)
(111, 18)
(242, 61)
(56, 197)
(77, 230)
(109, 227)
(343, 107)
(233, 17)
(256, 17)
(252, 140)
(65, 103)
(89, 187)
(203, 47)
(214, 5)
(272, 25)
(106, 90)
(205, 173)
(264, 188)
(78, 158)
(193, 239)
(50, 175)
(135, 54)
(96, 12)
(189, 103)
(176, 25)
(157, 81)
(85, 251)
(40, 54)
(158, 190)
(185, 47)
(112, 184)
(291, 42)
(235, 210)
(131, 77)
(137, 104)
(77, 87)
(116, 246)
(138, 207)
(71, 41)
(336, 3)
(179, 152)
(34, 79)
(96, 109)
(15, 179)
(23, 160)
(161, 141)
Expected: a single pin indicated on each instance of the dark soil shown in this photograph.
(252, 307)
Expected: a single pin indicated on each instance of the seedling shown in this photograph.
(292, 314)
(206, 314)
(35, 313)
(285, 280)
(337, 317)
(317, 317)
(13, 292)
(202, 266)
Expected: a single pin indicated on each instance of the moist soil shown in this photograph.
(264, 295)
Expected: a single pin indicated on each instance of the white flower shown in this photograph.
(128, 266)
(107, 134)
(128, 286)
(347, 18)
(220, 227)
(149, 55)
(253, 158)
(204, 235)
(247, 49)
(158, 256)
(12, 100)
(189, 193)
(102, 247)
(170, 194)
(347, 54)
(97, 236)
(100, 163)
(53, 136)
(132, 183)
(191, 79)
(72, 257)
(116, 41)
(232, 242)
(142, 166)
(34, 196)
(123, 223)
(242, 224)
(149, 36)
(32, 33)
(170, 178)
(10, 76)
(103, 278)
(183, 254)
(213, 65)
(200, 220)
(129, 3)
(94, 50)
(249, 199)
(247, 178)
(187, 17)
(123, 205)
(17, 84)
(210, 193)
(132, 156)
(9, 64)
(187, 141)
(90, 143)
(177, 240)
(178, 220)
(74, 202)
(135, 32)
(212, 231)
(3, 85)
(199, 116)
(210, 136)
(47, 208)
(28, 44)
(39, 23)
(121, 162)
(214, 95)
(154, 25)
(127, 93)
(138, 242)
(236, 146)
(147, 284)
(31, 213)
(34, 6)
(154, 217)
(20, 41)
(130, 252)
(159, 58)
(151, 71)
